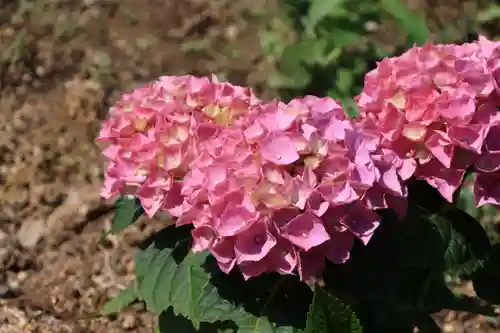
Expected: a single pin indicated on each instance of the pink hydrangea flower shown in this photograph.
(154, 132)
(293, 187)
(435, 105)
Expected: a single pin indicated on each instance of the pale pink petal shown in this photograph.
(306, 231)
(279, 150)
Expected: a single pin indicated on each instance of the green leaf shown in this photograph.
(428, 325)
(487, 279)
(127, 211)
(305, 51)
(440, 296)
(454, 242)
(329, 314)
(383, 286)
(320, 9)
(270, 303)
(393, 281)
(413, 23)
(125, 298)
(168, 322)
(491, 13)
(344, 80)
(350, 107)
(296, 79)
(341, 38)
(467, 203)
(465, 200)
(469, 237)
(291, 73)
(169, 275)
(260, 324)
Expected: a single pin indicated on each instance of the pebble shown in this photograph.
(129, 322)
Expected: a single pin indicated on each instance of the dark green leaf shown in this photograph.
(350, 108)
(127, 211)
(491, 13)
(268, 304)
(125, 298)
(296, 79)
(308, 50)
(413, 23)
(252, 324)
(426, 197)
(487, 279)
(344, 80)
(169, 275)
(439, 296)
(454, 241)
(388, 282)
(426, 324)
(341, 38)
(320, 9)
(465, 197)
(450, 241)
(329, 314)
(168, 322)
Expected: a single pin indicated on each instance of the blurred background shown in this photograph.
(64, 62)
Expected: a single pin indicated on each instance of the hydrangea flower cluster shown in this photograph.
(275, 187)
(438, 105)
(153, 134)
(296, 185)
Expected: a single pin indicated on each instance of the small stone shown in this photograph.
(3, 238)
(448, 328)
(14, 285)
(4, 290)
(129, 322)
(30, 233)
(22, 276)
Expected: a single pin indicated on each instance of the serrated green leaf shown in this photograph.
(413, 23)
(120, 301)
(392, 280)
(320, 9)
(468, 242)
(329, 314)
(169, 275)
(270, 303)
(127, 211)
(454, 242)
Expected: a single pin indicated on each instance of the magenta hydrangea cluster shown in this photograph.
(283, 187)
(438, 105)
(294, 185)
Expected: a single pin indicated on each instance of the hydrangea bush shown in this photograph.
(294, 217)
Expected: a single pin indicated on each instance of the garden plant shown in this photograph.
(297, 216)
